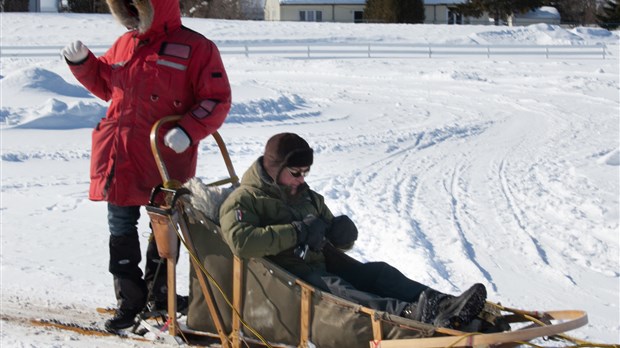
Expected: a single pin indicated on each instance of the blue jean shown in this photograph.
(123, 221)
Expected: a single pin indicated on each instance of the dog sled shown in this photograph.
(235, 303)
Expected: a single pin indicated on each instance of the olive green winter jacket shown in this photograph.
(256, 220)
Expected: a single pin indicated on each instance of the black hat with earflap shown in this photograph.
(286, 150)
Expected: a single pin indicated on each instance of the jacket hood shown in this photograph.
(256, 176)
(148, 17)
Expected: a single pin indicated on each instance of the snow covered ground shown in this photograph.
(500, 171)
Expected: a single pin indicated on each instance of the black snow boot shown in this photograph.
(156, 277)
(129, 287)
(162, 305)
(123, 319)
(155, 271)
(439, 309)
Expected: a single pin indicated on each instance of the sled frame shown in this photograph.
(570, 319)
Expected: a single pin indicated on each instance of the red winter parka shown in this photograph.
(157, 69)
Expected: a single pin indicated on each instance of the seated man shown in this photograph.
(274, 214)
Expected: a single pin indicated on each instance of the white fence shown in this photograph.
(361, 50)
(384, 50)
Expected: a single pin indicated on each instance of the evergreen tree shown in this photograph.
(14, 5)
(87, 6)
(394, 11)
(375, 11)
(610, 16)
(222, 9)
(576, 12)
(193, 8)
(497, 9)
(409, 11)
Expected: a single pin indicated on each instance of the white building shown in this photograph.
(442, 12)
(435, 11)
(545, 14)
(351, 11)
(43, 5)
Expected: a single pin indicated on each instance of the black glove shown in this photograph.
(311, 231)
(342, 233)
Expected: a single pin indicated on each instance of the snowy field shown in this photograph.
(500, 171)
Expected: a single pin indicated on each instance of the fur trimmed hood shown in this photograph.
(147, 16)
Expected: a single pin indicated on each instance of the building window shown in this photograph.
(311, 16)
(358, 16)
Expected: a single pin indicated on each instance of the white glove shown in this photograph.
(75, 52)
(177, 140)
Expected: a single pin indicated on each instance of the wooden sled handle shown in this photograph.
(161, 166)
(574, 319)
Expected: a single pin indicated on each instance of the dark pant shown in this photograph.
(376, 285)
(340, 287)
(125, 255)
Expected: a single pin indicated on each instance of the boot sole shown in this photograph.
(463, 311)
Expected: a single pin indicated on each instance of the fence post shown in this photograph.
(429, 51)
(547, 51)
(308, 51)
(247, 51)
(368, 50)
(488, 52)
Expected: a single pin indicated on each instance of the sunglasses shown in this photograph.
(298, 173)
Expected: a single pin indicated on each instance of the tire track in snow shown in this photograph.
(536, 148)
(452, 190)
(392, 191)
(517, 213)
(404, 195)
(397, 185)
(513, 208)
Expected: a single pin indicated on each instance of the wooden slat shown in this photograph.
(172, 296)
(306, 305)
(376, 323)
(575, 319)
(237, 301)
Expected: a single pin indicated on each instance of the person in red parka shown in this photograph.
(157, 68)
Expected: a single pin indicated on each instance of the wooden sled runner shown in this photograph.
(256, 303)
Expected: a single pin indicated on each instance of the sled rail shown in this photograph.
(572, 319)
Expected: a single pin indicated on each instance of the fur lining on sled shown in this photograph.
(121, 10)
(206, 200)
